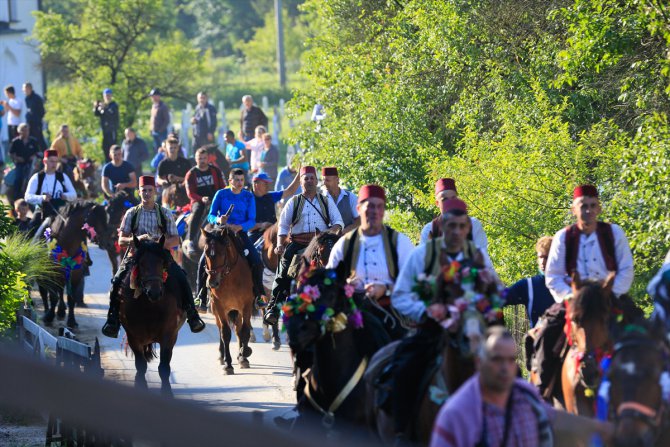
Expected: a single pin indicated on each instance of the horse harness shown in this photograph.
(328, 419)
(224, 268)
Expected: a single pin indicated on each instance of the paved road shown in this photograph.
(196, 372)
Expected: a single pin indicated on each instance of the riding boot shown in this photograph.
(271, 316)
(201, 285)
(259, 289)
(192, 317)
(112, 325)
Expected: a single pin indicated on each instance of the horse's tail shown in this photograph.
(149, 352)
(233, 315)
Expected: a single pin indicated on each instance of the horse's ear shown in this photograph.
(136, 241)
(161, 241)
(576, 281)
(609, 282)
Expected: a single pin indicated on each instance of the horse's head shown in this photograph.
(318, 250)
(591, 305)
(149, 272)
(222, 251)
(322, 304)
(638, 367)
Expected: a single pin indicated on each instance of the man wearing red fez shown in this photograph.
(346, 201)
(302, 215)
(415, 353)
(445, 189)
(372, 255)
(48, 190)
(589, 247)
(149, 221)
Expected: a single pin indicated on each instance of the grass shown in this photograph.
(32, 258)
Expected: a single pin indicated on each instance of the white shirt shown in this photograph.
(15, 120)
(371, 266)
(651, 288)
(590, 263)
(403, 299)
(256, 147)
(344, 194)
(49, 186)
(478, 234)
(310, 220)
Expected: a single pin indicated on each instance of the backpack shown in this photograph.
(134, 222)
(60, 178)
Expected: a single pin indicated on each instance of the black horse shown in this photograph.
(334, 342)
(66, 239)
(116, 208)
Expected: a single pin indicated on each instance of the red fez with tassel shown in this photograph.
(453, 205)
(445, 184)
(330, 170)
(147, 180)
(307, 170)
(50, 153)
(585, 190)
(368, 191)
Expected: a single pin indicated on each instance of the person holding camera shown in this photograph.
(108, 111)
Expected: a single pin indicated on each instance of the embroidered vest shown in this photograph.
(352, 250)
(605, 240)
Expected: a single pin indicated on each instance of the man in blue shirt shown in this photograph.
(236, 153)
(118, 175)
(240, 220)
(533, 292)
(286, 176)
(266, 213)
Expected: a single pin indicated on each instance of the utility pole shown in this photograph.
(280, 44)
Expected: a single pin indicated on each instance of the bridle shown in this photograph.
(225, 268)
(328, 244)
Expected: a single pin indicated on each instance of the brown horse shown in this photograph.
(268, 255)
(636, 401)
(85, 179)
(151, 311)
(174, 196)
(230, 284)
(455, 363)
(589, 312)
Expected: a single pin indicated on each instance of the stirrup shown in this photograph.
(111, 328)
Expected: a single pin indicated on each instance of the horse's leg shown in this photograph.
(226, 334)
(243, 330)
(266, 333)
(568, 385)
(60, 300)
(113, 258)
(164, 366)
(49, 310)
(71, 322)
(140, 367)
(276, 339)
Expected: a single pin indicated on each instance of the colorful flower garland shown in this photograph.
(305, 302)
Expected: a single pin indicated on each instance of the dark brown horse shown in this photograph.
(85, 178)
(151, 311)
(230, 284)
(268, 255)
(638, 367)
(69, 231)
(116, 208)
(174, 196)
(589, 312)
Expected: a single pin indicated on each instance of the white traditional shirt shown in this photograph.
(590, 263)
(344, 194)
(478, 234)
(310, 220)
(403, 299)
(371, 266)
(49, 186)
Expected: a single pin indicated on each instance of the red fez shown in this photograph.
(368, 191)
(330, 170)
(445, 184)
(585, 190)
(307, 170)
(147, 180)
(454, 205)
(50, 153)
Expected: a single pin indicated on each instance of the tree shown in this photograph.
(117, 44)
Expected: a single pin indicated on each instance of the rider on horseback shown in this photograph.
(174, 167)
(49, 190)
(299, 220)
(346, 201)
(372, 255)
(266, 202)
(415, 353)
(241, 219)
(148, 220)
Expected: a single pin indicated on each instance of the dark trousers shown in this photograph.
(282, 282)
(108, 140)
(12, 132)
(36, 132)
(198, 210)
(23, 171)
(158, 138)
(410, 361)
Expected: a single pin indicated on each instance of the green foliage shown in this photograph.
(117, 44)
(519, 101)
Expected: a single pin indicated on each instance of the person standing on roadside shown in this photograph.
(160, 118)
(35, 114)
(108, 112)
(204, 122)
(252, 116)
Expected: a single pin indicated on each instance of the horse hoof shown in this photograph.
(244, 364)
(246, 351)
(72, 323)
(49, 316)
(61, 313)
(167, 392)
(252, 337)
(266, 333)
(276, 344)
(229, 371)
(81, 304)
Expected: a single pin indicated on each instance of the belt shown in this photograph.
(302, 238)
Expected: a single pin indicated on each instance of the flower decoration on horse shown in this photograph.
(308, 302)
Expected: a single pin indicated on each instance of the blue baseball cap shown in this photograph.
(262, 177)
(107, 91)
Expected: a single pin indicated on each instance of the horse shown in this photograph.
(151, 310)
(332, 342)
(638, 366)
(66, 239)
(454, 363)
(85, 178)
(589, 312)
(216, 157)
(230, 284)
(268, 255)
(174, 196)
(116, 208)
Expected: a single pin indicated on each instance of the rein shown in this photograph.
(224, 268)
(328, 419)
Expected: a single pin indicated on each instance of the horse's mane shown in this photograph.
(321, 238)
(75, 206)
(270, 234)
(150, 247)
(591, 302)
(222, 232)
